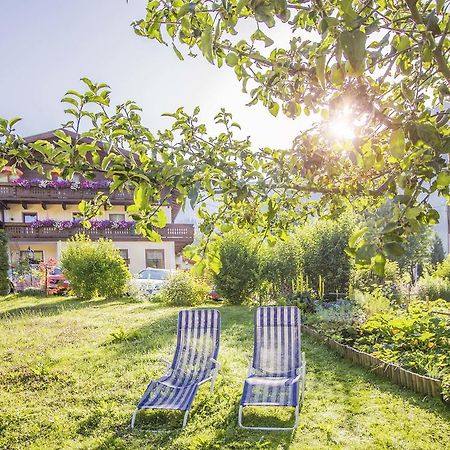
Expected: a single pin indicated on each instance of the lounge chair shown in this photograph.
(278, 369)
(194, 363)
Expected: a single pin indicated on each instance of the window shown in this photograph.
(29, 217)
(116, 217)
(154, 258)
(33, 256)
(124, 254)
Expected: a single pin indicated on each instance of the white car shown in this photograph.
(151, 280)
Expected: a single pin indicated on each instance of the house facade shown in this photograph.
(40, 215)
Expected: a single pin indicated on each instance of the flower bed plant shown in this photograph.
(76, 223)
(416, 338)
(61, 184)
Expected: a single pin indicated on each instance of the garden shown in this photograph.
(92, 352)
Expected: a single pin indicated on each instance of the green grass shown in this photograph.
(72, 372)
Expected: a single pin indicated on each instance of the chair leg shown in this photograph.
(185, 418)
(240, 417)
(133, 418)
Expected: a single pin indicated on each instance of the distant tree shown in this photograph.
(437, 251)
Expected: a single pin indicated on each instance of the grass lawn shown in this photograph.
(72, 372)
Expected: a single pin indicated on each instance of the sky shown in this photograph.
(48, 45)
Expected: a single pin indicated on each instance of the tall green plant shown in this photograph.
(4, 262)
(94, 268)
(238, 276)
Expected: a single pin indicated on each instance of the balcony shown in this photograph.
(11, 193)
(181, 234)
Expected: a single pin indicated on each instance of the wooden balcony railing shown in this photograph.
(181, 234)
(11, 193)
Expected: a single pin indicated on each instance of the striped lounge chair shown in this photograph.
(194, 363)
(277, 373)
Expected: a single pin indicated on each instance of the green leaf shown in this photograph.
(258, 35)
(178, 53)
(356, 235)
(274, 108)
(428, 134)
(354, 47)
(443, 179)
(397, 143)
(160, 220)
(379, 263)
(394, 249)
(320, 70)
(206, 44)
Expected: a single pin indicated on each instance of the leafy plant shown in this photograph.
(237, 279)
(4, 263)
(366, 280)
(433, 288)
(281, 265)
(94, 268)
(183, 289)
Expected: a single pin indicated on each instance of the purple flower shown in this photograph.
(61, 184)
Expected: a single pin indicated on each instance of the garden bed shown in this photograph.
(418, 383)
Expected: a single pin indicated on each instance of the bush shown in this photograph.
(4, 264)
(238, 277)
(94, 268)
(433, 288)
(372, 303)
(281, 265)
(443, 269)
(366, 280)
(183, 289)
(323, 246)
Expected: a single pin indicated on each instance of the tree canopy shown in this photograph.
(378, 68)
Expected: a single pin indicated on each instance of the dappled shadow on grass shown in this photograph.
(54, 306)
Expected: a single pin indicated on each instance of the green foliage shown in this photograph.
(94, 268)
(183, 289)
(443, 269)
(434, 288)
(366, 280)
(4, 263)
(437, 251)
(416, 338)
(372, 303)
(323, 245)
(237, 279)
(281, 265)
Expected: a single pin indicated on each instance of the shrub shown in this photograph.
(433, 288)
(4, 264)
(372, 303)
(437, 251)
(183, 289)
(238, 277)
(323, 246)
(366, 280)
(281, 265)
(94, 268)
(443, 269)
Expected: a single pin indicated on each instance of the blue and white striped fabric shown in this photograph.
(197, 342)
(276, 358)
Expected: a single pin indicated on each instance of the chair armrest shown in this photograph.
(164, 360)
(216, 363)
